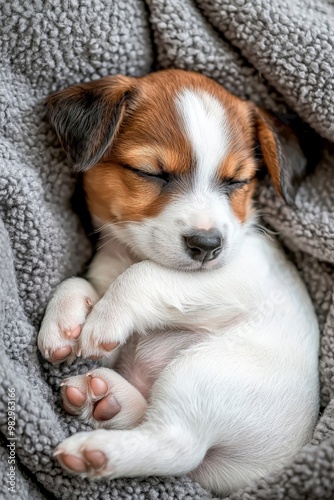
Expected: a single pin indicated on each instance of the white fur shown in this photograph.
(206, 126)
(227, 358)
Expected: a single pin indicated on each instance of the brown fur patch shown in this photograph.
(116, 194)
(269, 146)
(241, 201)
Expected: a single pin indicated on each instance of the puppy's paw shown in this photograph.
(91, 397)
(107, 327)
(104, 399)
(86, 453)
(64, 318)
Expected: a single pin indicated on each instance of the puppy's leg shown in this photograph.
(149, 297)
(143, 451)
(104, 399)
(167, 442)
(72, 302)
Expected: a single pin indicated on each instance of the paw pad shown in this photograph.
(94, 459)
(91, 392)
(109, 346)
(75, 397)
(74, 334)
(98, 386)
(60, 354)
(106, 409)
(74, 463)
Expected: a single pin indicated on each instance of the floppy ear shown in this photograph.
(281, 152)
(87, 116)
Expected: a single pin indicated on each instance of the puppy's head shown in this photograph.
(169, 162)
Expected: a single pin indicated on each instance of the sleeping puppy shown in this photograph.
(208, 337)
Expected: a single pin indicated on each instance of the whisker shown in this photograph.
(268, 232)
(113, 222)
(105, 236)
(263, 214)
(106, 243)
(102, 227)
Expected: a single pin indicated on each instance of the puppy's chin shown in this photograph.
(188, 265)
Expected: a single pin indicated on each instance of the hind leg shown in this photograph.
(143, 451)
(166, 442)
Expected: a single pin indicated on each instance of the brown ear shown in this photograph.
(281, 152)
(87, 116)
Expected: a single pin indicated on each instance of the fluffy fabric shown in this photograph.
(276, 52)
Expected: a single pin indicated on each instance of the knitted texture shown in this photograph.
(280, 54)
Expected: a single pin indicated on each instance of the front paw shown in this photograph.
(107, 327)
(64, 317)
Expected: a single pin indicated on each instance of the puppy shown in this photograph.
(210, 332)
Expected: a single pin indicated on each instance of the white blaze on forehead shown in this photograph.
(206, 126)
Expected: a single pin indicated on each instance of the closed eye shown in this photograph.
(230, 184)
(165, 177)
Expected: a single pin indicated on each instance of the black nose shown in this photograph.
(204, 245)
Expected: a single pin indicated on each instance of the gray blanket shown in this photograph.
(278, 53)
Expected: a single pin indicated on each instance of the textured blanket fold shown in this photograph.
(280, 54)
